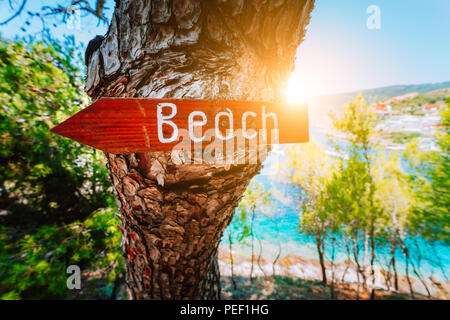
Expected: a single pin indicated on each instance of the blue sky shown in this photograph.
(89, 25)
(339, 53)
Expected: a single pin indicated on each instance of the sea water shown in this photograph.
(277, 226)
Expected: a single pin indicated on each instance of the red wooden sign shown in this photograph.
(128, 125)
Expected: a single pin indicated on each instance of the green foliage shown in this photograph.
(403, 137)
(33, 264)
(55, 200)
(310, 169)
(255, 198)
(357, 122)
(350, 192)
(348, 195)
(394, 196)
(366, 199)
(430, 177)
(44, 177)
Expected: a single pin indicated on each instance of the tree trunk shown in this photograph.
(274, 262)
(321, 252)
(259, 258)
(174, 215)
(252, 236)
(406, 253)
(359, 274)
(230, 243)
(394, 265)
(372, 263)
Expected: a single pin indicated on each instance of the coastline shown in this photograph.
(344, 273)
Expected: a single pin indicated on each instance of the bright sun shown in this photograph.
(297, 90)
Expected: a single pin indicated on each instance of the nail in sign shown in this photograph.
(129, 125)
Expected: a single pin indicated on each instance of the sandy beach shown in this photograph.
(294, 266)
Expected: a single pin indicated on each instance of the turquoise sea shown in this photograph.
(283, 216)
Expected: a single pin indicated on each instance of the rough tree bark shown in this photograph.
(173, 216)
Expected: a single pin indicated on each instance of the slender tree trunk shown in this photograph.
(274, 262)
(230, 241)
(359, 273)
(416, 270)
(364, 264)
(174, 215)
(372, 264)
(320, 251)
(260, 256)
(252, 234)
(406, 253)
(387, 277)
(347, 263)
(333, 267)
(394, 266)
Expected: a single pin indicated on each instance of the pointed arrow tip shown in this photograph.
(55, 129)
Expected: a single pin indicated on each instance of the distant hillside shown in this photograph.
(321, 106)
(383, 93)
(415, 105)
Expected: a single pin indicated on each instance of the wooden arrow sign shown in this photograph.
(129, 125)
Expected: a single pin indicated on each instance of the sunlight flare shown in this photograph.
(297, 90)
